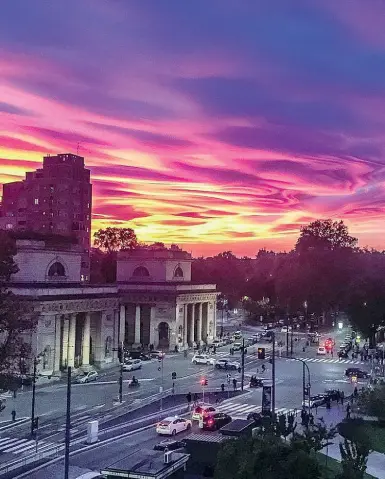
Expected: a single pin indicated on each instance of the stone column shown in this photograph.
(137, 324)
(122, 323)
(152, 326)
(185, 323)
(192, 324)
(71, 341)
(56, 351)
(199, 328)
(86, 340)
(64, 344)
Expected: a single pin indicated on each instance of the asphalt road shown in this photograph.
(95, 400)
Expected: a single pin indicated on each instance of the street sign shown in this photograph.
(173, 375)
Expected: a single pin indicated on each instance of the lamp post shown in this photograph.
(305, 389)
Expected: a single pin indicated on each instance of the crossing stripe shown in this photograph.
(21, 446)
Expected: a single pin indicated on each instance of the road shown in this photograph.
(95, 400)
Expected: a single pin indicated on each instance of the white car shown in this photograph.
(202, 359)
(321, 351)
(217, 343)
(170, 426)
(132, 364)
(285, 329)
(87, 377)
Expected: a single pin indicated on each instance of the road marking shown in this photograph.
(329, 360)
(24, 446)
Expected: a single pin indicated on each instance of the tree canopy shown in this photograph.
(325, 235)
(115, 239)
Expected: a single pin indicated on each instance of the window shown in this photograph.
(56, 269)
(36, 201)
(82, 277)
(8, 226)
(178, 272)
(140, 272)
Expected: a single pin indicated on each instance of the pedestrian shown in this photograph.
(311, 419)
(215, 350)
(222, 387)
(355, 392)
(342, 396)
(362, 356)
(13, 413)
(235, 384)
(151, 347)
(331, 352)
(348, 408)
(328, 403)
(228, 376)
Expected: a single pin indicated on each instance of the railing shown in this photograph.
(24, 461)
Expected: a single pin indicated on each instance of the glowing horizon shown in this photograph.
(215, 125)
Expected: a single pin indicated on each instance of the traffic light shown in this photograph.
(306, 392)
(173, 375)
(204, 382)
(261, 353)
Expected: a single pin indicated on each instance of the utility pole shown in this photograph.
(291, 342)
(121, 360)
(161, 392)
(273, 377)
(68, 426)
(243, 364)
(287, 340)
(33, 396)
(303, 384)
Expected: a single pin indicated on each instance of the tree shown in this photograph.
(325, 235)
(115, 239)
(315, 437)
(267, 457)
(372, 402)
(354, 458)
(17, 319)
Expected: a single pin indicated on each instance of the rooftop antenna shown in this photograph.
(77, 149)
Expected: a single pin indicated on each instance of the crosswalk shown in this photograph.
(19, 446)
(240, 410)
(329, 360)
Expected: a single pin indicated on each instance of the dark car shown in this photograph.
(343, 354)
(169, 444)
(256, 382)
(215, 421)
(359, 373)
(333, 394)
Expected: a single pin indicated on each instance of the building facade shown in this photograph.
(55, 199)
(81, 325)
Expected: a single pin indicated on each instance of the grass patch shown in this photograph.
(331, 467)
(368, 432)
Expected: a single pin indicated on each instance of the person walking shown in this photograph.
(235, 384)
(342, 396)
(13, 413)
(222, 387)
(228, 377)
(355, 392)
(348, 408)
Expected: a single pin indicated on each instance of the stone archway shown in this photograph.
(164, 335)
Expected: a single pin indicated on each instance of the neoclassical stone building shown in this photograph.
(82, 325)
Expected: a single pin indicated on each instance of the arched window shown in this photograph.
(108, 348)
(140, 272)
(56, 269)
(178, 272)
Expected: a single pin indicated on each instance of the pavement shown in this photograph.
(97, 400)
(332, 417)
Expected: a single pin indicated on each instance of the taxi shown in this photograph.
(172, 425)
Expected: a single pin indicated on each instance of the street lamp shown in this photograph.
(305, 389)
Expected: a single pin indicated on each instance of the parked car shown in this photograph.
(359, 373)
(285, 329)
(202, 410)
(169, 444)
(132, 365)
(217, 343)
(202, 359)
(173, 425)
(333, 394)
(321, 351)
(215, 421)
(157, 354)
(87, 377)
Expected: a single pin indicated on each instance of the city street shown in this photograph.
(96, 400)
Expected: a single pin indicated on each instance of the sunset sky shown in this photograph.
(215, 124)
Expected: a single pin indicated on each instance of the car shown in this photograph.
(256, 417)
(333, 394)
(87, 377)
(202, 359)
(173, 425)
(314, 401)
(359, 373)
(321, 351)
(169, 444)
(215, 421)
(227, 364)
(202, 410)
(256, 382)
(343, 354)
(132, 365)
(286, 329)
(157, 354)
(218, 343)
(251, 341)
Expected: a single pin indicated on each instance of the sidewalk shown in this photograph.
(333, 416)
